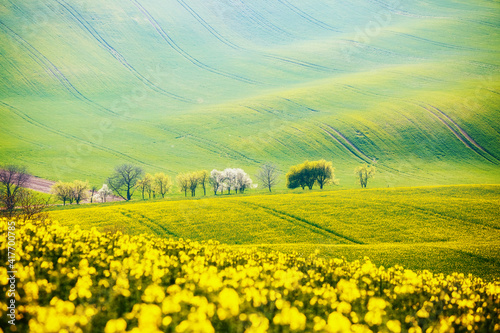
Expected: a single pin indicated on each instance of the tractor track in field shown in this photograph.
(36, 123)
(436, 43)
(356, 152)
(52, 70)
(299, 105)
(460, 133)
(308, 17)
(182, 52)
(301, 63)
(152, 224)
(203, 143)
(434, 213)
(226, 41)
(305, 223)
(404, 12)
(260, 20)
(206, 25)
(115, 54)
(348, 145)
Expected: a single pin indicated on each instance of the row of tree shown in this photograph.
(127, 178)
(79, 191)
(321, 173)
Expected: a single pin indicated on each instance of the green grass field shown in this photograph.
(176, 87)
(443, 229)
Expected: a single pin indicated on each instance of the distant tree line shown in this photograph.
(128, 178)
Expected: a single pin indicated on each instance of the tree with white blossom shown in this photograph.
(103, 193)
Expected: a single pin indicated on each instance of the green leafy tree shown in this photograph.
(182, 182)
(63, 191)
(309, 173)
(145, 185)
(79, 190)
(363, 173)
(162, 183)
(203, 180)
(193, 182)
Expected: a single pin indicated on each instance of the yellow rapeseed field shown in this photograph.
(74, 280)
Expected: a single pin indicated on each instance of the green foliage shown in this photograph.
(363, 173)
(162, 183)
(309, 173)
(72, 192)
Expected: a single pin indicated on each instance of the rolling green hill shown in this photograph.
(181, 85)
(444, 229)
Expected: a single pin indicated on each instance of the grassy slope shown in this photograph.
(444, 229)
(239, 83)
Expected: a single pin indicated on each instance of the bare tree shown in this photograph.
(124, 179)
(268, 175)
(12, 179)
(32, 205)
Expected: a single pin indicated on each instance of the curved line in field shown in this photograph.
(224, 40)
(229, 151)
(151, 222)
(307, 17)
(207, 25)
(361, 156)
(118, 56)
(300, 220)
(36, 123)
(432, 212)
(464, 133)
(404, 12)
(182, 52)
(300, 105)
(440, 44)
(461, 135)
(260, 20)
(349, 145)
(50, 68)
(476, 257)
